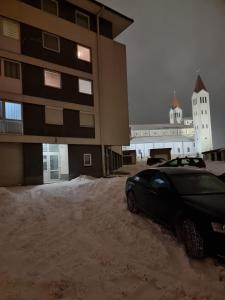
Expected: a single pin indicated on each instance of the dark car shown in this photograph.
(186, 161)
(222, 177)
(189, 201)
(155, 160)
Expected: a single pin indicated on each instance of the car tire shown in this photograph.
(193, 240)
(131, 203)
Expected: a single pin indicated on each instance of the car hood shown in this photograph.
(213, 205)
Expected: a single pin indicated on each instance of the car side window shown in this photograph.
(159, 181)
(173, 163)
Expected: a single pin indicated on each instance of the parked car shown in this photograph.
(155, 160)
(191, 202)
(186, 161)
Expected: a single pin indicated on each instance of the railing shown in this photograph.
(11, 126)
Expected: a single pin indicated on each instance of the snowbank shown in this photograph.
(76, 240)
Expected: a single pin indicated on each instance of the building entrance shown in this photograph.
(55, 163)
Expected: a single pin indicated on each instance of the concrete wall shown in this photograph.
(11, 164)
(113, 93)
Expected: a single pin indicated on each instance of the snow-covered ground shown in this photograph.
(77, 241)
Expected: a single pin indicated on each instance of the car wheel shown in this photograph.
(131, 203)
(193, 241)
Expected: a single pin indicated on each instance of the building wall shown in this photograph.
(177, 148)
(76, 160)
(11, 162)
(113, 93)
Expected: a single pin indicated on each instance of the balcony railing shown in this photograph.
(11, 126)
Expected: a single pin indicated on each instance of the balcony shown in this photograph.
(11, 127)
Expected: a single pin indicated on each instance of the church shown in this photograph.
(185, 136)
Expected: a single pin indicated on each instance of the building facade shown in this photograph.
(63, 90)
(185, 136)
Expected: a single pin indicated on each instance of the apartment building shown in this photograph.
(63, 90)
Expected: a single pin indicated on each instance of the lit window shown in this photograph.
(13, 111)
(82, 19)
(52, 79)
(50, 42)
(84, 53)
(87, 120)
(53, 115)
(50, 6)
(10, 29)
(11, 69)
(85, 86)
(87, 160)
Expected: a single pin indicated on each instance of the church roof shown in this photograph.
(199, 85)
(175, 102)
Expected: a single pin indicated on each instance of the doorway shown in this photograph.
(55, 162)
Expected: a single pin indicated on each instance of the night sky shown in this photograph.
(169, 41)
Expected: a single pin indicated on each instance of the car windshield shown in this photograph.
(197, 184)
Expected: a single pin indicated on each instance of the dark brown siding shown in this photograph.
(33, 164)
(33, 119)
(31, 45)
(36, 3)
(34, 123)
(67, 12)
(76, 165)
(105, 28)
(33, 85)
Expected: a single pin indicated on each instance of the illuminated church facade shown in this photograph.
(185, 136)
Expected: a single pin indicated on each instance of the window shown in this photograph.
(178, 150)
(50, 42)
(52, 79)
(10, 29)
(87, 120)
(11, 117)
(87, 160)
(53, 115)
(11, 69)
(82, 19)
(83, 53)
(85, 86)
(188, 149)
(50, 6)
(13, 111)
(207, 126)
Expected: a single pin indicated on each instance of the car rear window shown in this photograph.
(197, 184)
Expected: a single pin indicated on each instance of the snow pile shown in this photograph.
(76, 240)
